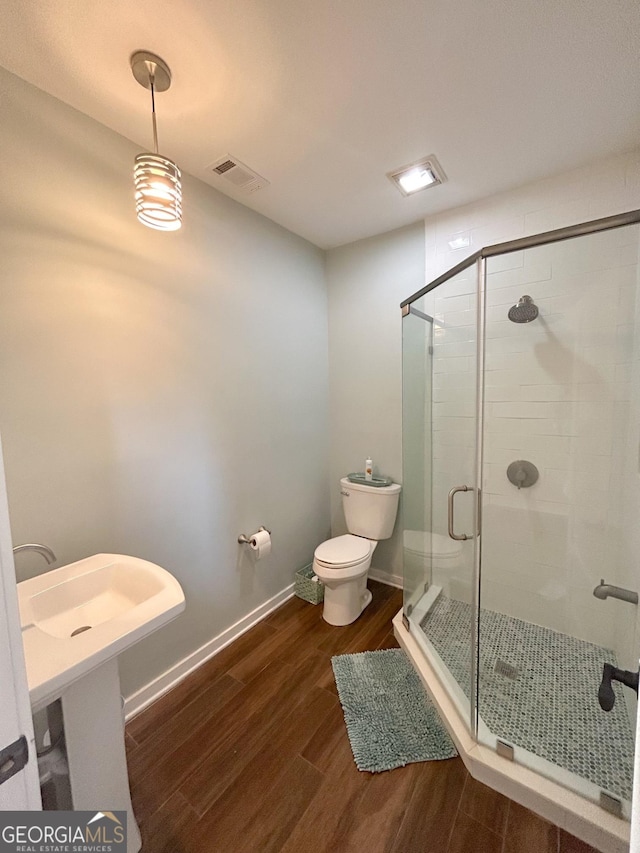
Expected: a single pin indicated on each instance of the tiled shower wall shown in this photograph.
(561, 392)
(557, 394)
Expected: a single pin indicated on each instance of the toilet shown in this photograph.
(342, 563)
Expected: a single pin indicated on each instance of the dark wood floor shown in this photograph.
(250, 753)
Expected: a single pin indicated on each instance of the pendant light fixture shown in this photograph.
(157, 180)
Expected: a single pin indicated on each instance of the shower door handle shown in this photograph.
(452, 494)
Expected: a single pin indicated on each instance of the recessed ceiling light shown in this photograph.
(418, 176)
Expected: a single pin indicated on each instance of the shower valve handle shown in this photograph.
(606, 696)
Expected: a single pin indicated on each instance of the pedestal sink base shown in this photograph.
(94, 734)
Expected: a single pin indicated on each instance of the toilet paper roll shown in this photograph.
(261, 544)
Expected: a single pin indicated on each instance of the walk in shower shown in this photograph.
(521, 446)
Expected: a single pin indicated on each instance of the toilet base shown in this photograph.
(344, 602)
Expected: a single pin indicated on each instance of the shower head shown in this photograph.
(524, 312)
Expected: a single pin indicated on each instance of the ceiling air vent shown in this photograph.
(242, 177)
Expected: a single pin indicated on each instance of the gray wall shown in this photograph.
(160, 393)
(367, 281)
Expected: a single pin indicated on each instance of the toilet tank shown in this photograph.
(370, 511)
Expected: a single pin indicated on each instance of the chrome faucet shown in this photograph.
(606, 590)
(47, 553)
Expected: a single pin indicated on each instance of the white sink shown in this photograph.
(79, 616)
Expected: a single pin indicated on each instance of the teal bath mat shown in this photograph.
(390, 719)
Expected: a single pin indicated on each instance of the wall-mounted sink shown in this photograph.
(79, 616)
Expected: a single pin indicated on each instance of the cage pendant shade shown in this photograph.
(157, 180)
(158, 192)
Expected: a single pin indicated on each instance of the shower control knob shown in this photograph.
(522, 473)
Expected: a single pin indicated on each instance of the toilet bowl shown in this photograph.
(343, 563)
(433, 557)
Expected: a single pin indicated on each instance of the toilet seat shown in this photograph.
(343, 552)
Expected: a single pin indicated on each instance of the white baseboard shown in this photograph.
(385, 577)
(139, 700)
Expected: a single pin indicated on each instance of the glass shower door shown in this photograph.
(439, 461)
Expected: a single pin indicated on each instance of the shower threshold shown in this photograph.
(527, 783)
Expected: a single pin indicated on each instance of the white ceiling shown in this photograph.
(324, 97)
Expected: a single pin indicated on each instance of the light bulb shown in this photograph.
(158, 192)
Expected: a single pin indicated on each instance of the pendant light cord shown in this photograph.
(153, 112)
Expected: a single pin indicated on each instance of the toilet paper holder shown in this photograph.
(246, 540)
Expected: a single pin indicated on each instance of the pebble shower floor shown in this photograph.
(538, 689)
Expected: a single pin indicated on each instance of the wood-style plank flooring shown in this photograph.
(250, 754)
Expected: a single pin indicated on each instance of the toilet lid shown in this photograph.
(343, 550)
(424, 543)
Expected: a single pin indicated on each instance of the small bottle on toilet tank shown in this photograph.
(368, 469)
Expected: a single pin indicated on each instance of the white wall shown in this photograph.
(559, 392)
(367, 281)
(161, 393)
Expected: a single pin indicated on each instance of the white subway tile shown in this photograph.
(587, 621)
(500, 456)
(545, 459)
(598, 443)
(556, 216)
(558, 445)
(546, 392)
(500, 393)
(451, 365)
(499, 361)
(465, 380)
(460, 285)
(536, 410)
(450, 392)
(500, 329)
(453, 334)
(444, 441)
(505, 296)
(458, 424)
(502, 441)
(602, 391)
(550, 426)
(626, 308)
(506, 343)
(443, 349)
(458, 318)
(505, 426)
(523, 604)
(445, 303)
(531, 272)
(498, 231)
(459, 408)
(511, 261)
